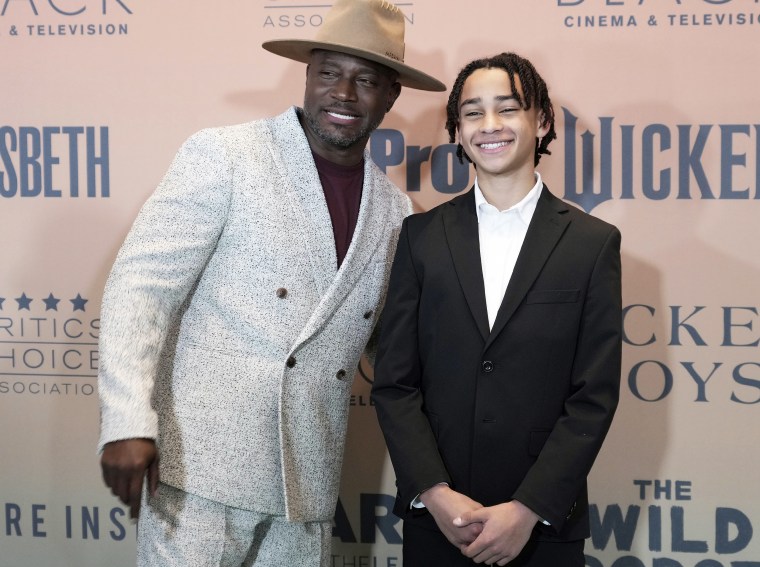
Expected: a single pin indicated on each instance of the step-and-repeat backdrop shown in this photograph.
(659, 133)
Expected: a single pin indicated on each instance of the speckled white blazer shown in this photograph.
(227, 332)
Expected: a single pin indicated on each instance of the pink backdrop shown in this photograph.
(658, 133)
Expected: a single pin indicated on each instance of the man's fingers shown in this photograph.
(119, 487)
(125, 464)
(135, 494)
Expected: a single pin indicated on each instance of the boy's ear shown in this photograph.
(542, 126)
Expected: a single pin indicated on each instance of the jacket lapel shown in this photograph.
(367, 236)
(546, 227)
(460, 223)
(307, 201)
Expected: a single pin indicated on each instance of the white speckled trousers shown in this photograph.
(178, 529)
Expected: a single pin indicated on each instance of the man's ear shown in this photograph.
(393, 93)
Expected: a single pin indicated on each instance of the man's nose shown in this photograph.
(344, 90)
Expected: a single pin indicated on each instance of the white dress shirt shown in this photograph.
(502, 234)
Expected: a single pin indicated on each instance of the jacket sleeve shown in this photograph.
(157, 266)
(396, 391)
(559, 474)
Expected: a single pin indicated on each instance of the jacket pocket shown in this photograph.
(553, 296)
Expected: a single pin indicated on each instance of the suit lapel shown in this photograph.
(307, 200)
(460, 223)
(546, 227)
(367, 236)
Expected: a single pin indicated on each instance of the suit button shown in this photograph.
(487, 366)
(291, 362)
(281, 292)
(368, 314)
(340, 374)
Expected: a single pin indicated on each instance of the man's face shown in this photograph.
(495, 131)
(346, 98)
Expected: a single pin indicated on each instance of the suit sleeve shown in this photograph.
(556, 479)
(396, 391)
(160, 260)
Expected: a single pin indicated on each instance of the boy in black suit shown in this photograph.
(498, 366)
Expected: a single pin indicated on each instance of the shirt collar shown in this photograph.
(525, 208)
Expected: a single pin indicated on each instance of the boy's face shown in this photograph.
(495, 131)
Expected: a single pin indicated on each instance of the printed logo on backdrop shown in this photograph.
(64, 18)
(664, 517)
(41, 520)
(610, 149)
(729, 333)
(48, 344)
(278, 14)
(54, 162)
(668, 14)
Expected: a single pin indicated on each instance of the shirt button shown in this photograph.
(368, 314)
(291, 362)
(487, 366)
(340, 374)
(281, 292)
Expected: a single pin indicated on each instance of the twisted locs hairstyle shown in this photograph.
(534, 91)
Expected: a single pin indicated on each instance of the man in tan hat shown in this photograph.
(239, 305)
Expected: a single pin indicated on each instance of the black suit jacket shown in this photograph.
(518, 412)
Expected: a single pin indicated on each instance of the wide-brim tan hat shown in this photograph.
(371, 29)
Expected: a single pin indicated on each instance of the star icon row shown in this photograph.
(51, 302)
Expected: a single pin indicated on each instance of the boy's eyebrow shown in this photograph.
(476, 100)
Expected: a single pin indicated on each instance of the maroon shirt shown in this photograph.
(342, 185)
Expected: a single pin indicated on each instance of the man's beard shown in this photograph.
(335, 138)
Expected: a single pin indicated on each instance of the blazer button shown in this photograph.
(340, 374)
(291, 362)
(487, 366)
(368, 314)
(281, 292)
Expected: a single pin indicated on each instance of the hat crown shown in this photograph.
(375, 26)
(369, 29)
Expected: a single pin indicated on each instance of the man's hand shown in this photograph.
(506, 529)
(446, 504)
(125, 464)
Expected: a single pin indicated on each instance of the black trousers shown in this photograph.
(430, 548)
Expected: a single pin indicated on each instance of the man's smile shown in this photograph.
(342, 116)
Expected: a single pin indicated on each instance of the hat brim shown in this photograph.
(300, 50)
